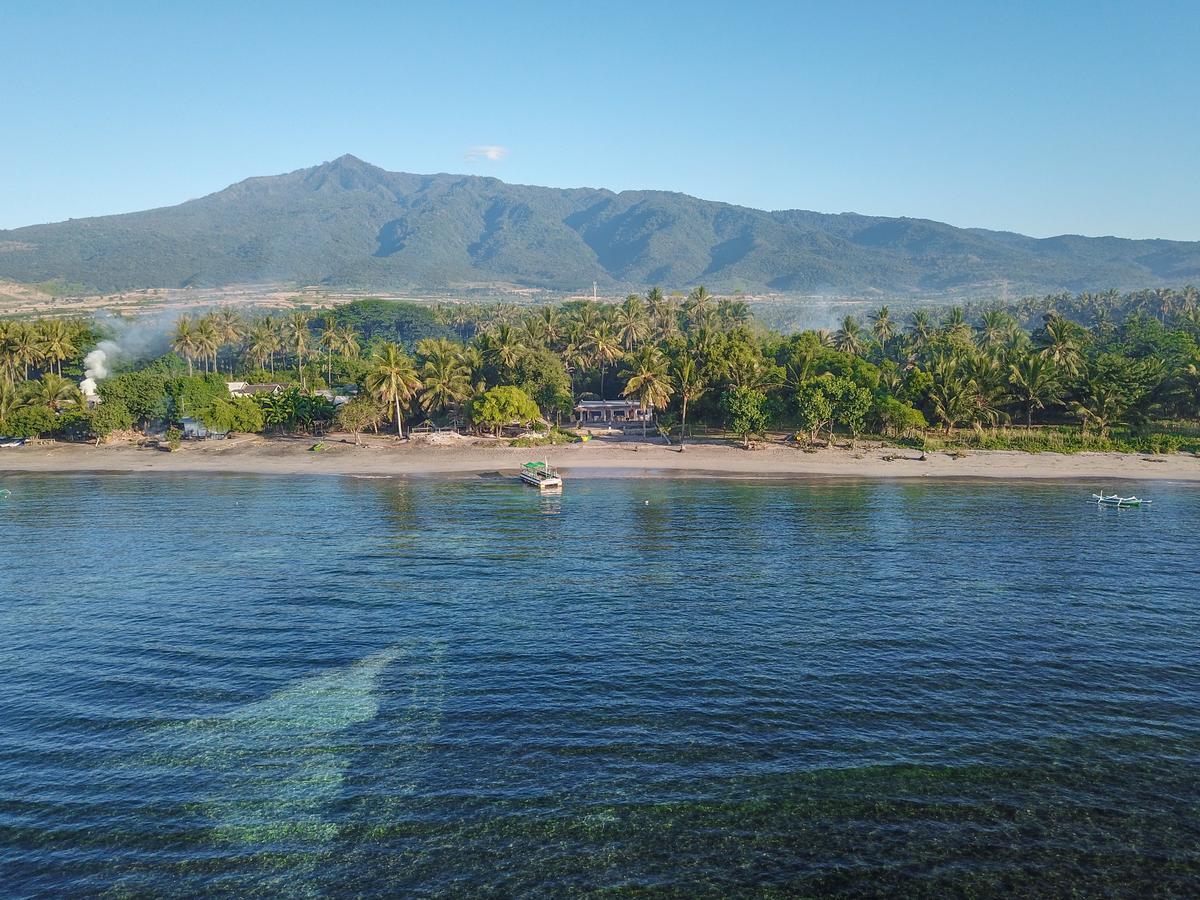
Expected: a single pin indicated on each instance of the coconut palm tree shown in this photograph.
(55, 342)
(26, 347)
(603, 348)
(920, 329)
(503, 348)
(299, 339)
(691, 383)
(848, 338)
(261, 342)
(883, 325)
(208, 340)
(184, 341)
(1034, 382)
(952, 395)
(1062, 343)
(998, 327)
(328, 340)
(699, 302)
(445, 381)
(54, 392)
(631, 323)
(231, 327)
(346, 342)
(392, 378)
(648, 380)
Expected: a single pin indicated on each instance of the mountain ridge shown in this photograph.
(348, 223)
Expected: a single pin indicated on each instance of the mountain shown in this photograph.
(350, 224)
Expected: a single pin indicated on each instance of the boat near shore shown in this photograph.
(541, 476)
(1103, 499)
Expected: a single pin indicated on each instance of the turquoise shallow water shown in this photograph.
(247, 685)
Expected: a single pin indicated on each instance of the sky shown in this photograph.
(1076, 116)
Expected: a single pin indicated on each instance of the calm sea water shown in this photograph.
(251, 685)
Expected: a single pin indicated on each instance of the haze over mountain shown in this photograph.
(350, 224)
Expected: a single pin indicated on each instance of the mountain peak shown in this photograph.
(348, 223)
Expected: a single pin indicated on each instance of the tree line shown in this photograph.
(1090, 363)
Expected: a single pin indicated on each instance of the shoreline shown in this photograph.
(599, 458)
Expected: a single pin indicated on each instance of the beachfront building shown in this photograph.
(245, 389)
(613, 413)
(195, 430)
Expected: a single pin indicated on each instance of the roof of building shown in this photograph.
(606, 404)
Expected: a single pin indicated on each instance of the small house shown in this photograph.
(611, 412)
(246, 389)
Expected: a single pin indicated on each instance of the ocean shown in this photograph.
(307, 686)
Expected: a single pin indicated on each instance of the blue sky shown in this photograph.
(1036, 117)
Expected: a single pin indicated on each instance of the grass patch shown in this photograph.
(1066, 439)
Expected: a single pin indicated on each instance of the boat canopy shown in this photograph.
(535, 465)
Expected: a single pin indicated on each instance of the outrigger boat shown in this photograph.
(1103, 499)
(541, 476)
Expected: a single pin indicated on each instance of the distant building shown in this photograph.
(195, 430)
(333, 397)
(611, 412)
(246, 389)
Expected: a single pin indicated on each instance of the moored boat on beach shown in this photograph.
(541, 476)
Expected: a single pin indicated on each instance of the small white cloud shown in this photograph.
(490, 152)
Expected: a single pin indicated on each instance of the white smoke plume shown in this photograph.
(132, 340)
(95, 366)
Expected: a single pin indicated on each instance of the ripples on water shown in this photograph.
(306, 686)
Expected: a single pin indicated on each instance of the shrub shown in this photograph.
(28, 422)
(110, 416)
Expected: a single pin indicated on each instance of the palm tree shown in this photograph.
(848, 338)
(575, 358)
(1034, 382)
(648, 381)
(56, 343)
(631, 323)
(26, 348)
(504, 348)
(184, 341)
(952, 395)
(8, 355)
(54, 392)
(445, 381)
(920, 328)
(692, 384)
(328, 340)
(603, 348)
(9, 399)
(262, 342)
(299, 336)
(346, 342)
(1062, 344)
(998, 327)
(230, 329)
(208, 340)
(393, 379)
(699, 302)
(883, 325)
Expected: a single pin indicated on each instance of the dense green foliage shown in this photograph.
(351, 224)
(1131, 379)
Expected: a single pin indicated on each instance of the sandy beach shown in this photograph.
(598, 457)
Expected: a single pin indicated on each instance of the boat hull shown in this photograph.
(544, 484)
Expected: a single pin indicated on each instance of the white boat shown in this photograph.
(541, 476)
(1103, 499)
